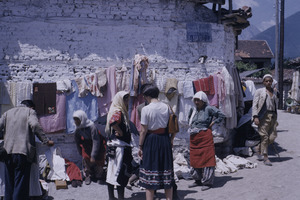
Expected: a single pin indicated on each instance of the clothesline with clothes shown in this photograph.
(56, 102)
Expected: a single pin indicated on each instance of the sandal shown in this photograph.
(267, 162)
(259, 156)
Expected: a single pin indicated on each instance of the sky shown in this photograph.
(263, 11)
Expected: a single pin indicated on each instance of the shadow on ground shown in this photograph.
(161, 195)
(220, 181)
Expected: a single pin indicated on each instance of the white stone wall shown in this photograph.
(50, 40)
(47, 40)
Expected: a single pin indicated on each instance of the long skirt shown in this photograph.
(202, 149)
(156, 169)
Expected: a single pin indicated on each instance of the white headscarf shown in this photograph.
(84, 121)
(202, 96)
(117, 105)
(267, 76)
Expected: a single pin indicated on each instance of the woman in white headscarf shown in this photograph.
(90, 146)
(119, 149)
(202, 151)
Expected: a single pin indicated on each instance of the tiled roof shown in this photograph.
(253, 49)
(287, 76)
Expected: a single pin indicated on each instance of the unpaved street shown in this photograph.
(280, 181)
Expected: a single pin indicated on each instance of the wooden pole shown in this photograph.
(230, 6)
(281, 55)
(276, 38)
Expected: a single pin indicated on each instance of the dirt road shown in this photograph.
(280, 181)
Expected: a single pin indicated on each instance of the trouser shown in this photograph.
(205, 175)
(17, 177)
(94, 170)
(120, 190)
(267, 131)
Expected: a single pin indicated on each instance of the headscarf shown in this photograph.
(267, 76)
(84, 121)
(202, 96)
(117, 105)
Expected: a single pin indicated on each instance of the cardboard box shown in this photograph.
(61, 184)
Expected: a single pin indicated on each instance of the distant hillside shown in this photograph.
(249, 32)
(291, 36)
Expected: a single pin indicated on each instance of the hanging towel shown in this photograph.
(111, 90)
(82, 86)
(55, 122)
(205, 84)
(64, 86)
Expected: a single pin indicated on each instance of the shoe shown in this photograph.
(87, 180)
(74, 183)
(195, 184)
(101, 182)
(267, 162)
(79, 183)
(259, 156)
(205, 187)
(129, 187)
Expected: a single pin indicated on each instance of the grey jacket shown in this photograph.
(20, 126)
(259, 100)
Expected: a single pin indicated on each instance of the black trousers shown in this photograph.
(17, 177)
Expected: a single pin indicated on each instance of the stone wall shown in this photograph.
(50, 40)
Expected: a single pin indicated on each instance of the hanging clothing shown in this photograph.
(64, 86)
(4, 93)
(14, 93)
(185, 105)
(213, 98)
(173, 102)
(171, 88)
(138, 74)
(205, 84)
(188, 91)
(123, 79)
(44, 98)
(55, 122)
(88, 104)
(134, 117)
(109, 92)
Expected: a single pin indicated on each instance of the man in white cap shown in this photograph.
(264, 114)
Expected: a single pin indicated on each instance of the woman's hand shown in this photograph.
(140, 154)
(117, 134)
(256, 121)
(92, 160)
(118, 131)
(211, 124)
(50, 143)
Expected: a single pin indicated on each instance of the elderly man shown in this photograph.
(264, 114)
(20, 125)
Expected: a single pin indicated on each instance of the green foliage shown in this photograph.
(251, 66)
(245, 66)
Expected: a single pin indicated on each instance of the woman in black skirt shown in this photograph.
(156, 169)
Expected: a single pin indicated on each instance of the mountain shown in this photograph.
(249, 33)
(291, 36)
